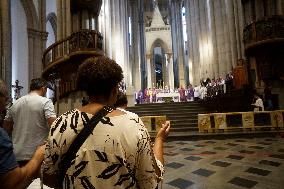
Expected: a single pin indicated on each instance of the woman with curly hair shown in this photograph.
(117, 153)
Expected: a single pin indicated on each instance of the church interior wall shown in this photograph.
(51, 34)
(50, 6)
(20, 66)
(36, 4)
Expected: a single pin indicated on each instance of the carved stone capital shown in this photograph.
(35, 33)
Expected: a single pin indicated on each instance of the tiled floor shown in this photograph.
(256, 163)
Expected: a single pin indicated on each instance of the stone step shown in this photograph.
(170, 104)
(183, 129)
(183, 121)
(184, 125)
(180, 110)
(171, 115)
(183, 115)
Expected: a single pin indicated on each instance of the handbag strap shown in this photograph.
(67, 158)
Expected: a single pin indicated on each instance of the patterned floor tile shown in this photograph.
(193, 158)
(203, 172)
(220, 148)
(240, 140)
(281, 150)
(232, 144)
(174, 165)
(210, 142)
(199, 145)
(258, 171)
(235, 157)
(265, 143)
(279, 156)
(221, 163)
(271, 163)
(181, 183)
(271, 139)
(170, 154)
(243, 182)
(181, 143)
(256, 147)
(208, 153)
(186, 149)
(168, 146)
(246, 152)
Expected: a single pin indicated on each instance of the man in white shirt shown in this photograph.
(28, 121)
(258, 105)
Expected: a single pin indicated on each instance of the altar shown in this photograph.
(166, 97)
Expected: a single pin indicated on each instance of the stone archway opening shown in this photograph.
(159, 67)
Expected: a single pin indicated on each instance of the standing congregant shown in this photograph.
(11, 175)
(28, 121)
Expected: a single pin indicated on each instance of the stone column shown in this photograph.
(279, 7)
(227, 63)
(5, 43)
(197, 63)
(178, 42)
(149, 71)
(170, 71)
(135, 39)
(213, 32)
(241, 27)
(142, 46)
(68, 17)
(36, 39)
(59, 20)
(231, 19)
(192, 39)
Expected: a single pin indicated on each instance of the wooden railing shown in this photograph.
(264, 30)
(83, 40)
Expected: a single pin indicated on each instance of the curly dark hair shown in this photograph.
(98, 76)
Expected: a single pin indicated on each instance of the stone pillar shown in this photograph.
(114, 27)
(59, 20)
(241, 27)
(149, 71)
(197, 64)
(142, 45)
(68, 18)
(227, 60)
(279, 7)
(213, 35)
(178, 42)
(192, 39)
(5, 43)
(64, 24)
(135, 43)
(36, 39)
(170, 71)
(231, 19)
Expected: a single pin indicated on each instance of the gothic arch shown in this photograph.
(51, 17)
(160, 43)
(31, 14)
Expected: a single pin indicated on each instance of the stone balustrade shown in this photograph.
(215, 122)
(265, 30)
(153, 123)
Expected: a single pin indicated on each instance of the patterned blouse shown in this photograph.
(117, 154)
